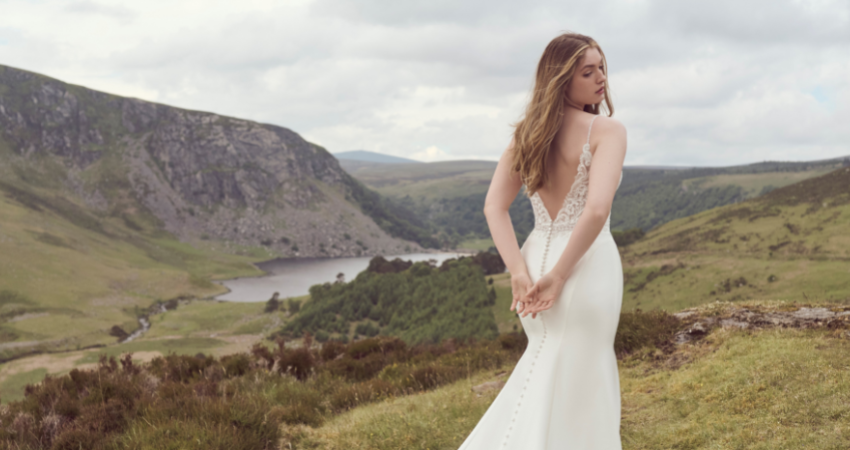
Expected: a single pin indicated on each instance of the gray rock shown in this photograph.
(813, 313)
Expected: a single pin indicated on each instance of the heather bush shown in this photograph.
(638, 329)
(239, 401)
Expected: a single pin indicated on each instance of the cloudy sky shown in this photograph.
(696, 83)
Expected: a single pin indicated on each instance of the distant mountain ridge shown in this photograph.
(449, 195)
(195, 174)
(374, 157)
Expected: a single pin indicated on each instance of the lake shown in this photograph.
(292, 277)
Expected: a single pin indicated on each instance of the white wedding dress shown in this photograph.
(564, 393)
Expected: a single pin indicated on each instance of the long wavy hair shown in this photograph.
(535, 132)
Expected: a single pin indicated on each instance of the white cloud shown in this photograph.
(88, 7)
(717, 83)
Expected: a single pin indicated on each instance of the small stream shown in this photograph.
(146, 325)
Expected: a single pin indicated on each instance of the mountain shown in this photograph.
(788, 244)
(361, 160)
(449, 195)
(111, 205)
(196, 175)
(374, 157)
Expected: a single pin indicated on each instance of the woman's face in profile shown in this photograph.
(588, 84)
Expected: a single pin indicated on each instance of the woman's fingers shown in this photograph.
(537, 307)
(529, 295)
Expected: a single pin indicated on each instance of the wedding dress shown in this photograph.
(564, 392)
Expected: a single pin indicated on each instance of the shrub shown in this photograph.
(294, 306)
(627, 237)
(367, 329)
(640, 329)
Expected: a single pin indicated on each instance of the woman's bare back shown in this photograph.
(562, 163)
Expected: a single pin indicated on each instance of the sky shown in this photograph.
(715, 83)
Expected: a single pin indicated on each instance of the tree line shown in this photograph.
(417, 302)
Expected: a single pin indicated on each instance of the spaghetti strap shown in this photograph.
(588, 129)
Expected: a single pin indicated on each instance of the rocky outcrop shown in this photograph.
(198, 175)
(746, 318)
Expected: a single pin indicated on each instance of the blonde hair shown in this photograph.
(535, 132)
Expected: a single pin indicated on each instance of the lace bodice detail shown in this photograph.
(571, 209)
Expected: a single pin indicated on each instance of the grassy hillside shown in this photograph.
(109, 205)
(791, 243)
(211, 327)
(755, 389)
(436, 180)
(68, 275)
(738, 380)
(449, 196)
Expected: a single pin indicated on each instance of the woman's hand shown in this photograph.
(520, 284)
(543, 294)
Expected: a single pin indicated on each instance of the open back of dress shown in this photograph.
(564, 392)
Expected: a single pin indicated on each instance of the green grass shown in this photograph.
(97, 278)
(205, 316)
(438, 419)
(774, 389)
(789, 244)
(771, 390)
(477, 244)
(12, 388)
(430, 181)
(183, 346)
(193, 327)
(505, 318)
(753, 183)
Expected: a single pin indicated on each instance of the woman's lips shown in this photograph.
(601, 90)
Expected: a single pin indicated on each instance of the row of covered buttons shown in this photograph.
(525, 386)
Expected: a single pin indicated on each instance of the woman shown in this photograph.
(567, 278)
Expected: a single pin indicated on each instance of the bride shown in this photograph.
(567, 279)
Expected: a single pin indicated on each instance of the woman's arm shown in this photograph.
(503, 190)
(603, 179)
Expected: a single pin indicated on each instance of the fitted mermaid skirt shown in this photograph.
(564, 392)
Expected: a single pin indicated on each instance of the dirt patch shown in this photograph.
(51, 363)
(56, 363)
(26, 316)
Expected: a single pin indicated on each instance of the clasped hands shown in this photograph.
(531, 298)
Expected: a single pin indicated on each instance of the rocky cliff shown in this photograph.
(197, 175)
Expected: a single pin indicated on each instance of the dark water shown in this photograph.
(293, 277)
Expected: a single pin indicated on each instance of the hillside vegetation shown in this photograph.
(109, 205)
(761, 388)
(70, 276)
(414, 301)
(791, 243)
(762, 375)
(449, 196)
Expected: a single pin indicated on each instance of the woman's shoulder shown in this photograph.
(607, 130)
(607, 125)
